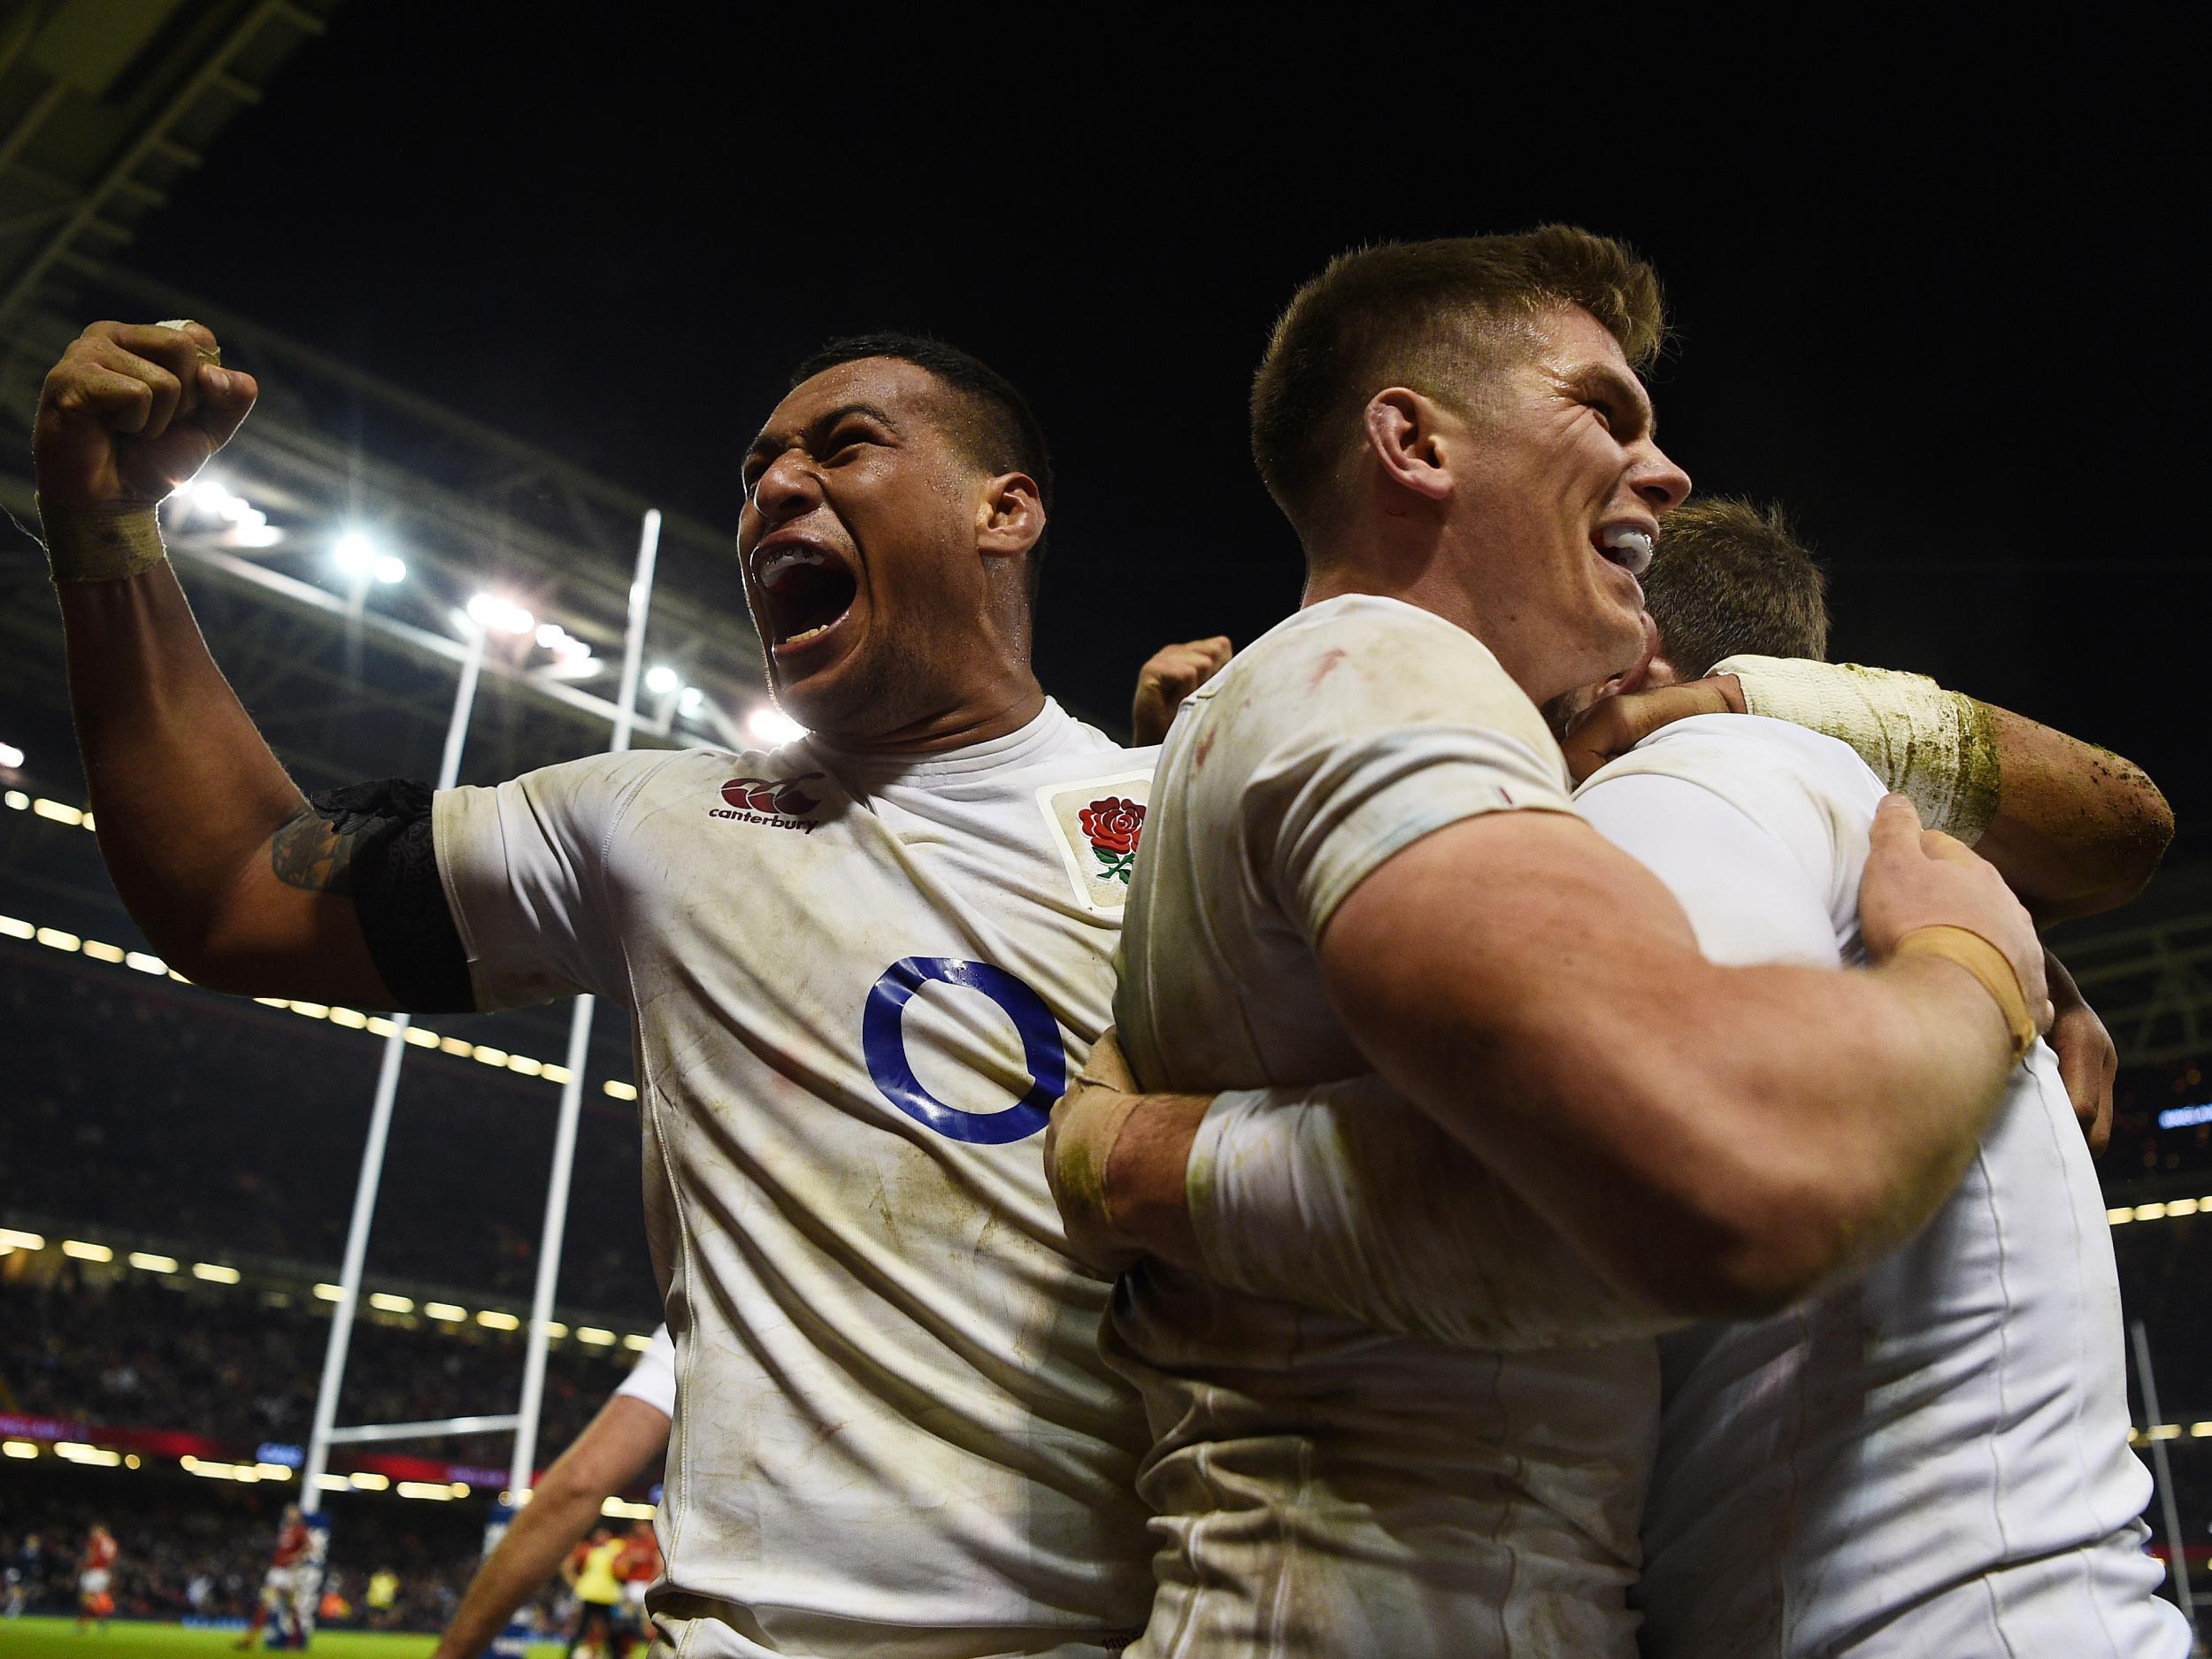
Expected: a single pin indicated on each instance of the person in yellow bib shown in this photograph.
(591, 1573)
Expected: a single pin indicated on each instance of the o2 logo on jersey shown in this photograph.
(883, 1040)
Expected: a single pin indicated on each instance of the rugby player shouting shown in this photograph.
(857, 967)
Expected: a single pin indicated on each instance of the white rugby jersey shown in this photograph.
(857, 986)
(1325, 1489)
(1933, 1460)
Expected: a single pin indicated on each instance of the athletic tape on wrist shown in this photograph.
(101, 544)
(1986, 963)
(1082, 1149)
(1938, 748)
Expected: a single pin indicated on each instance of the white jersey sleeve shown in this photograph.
(653, 1378)
(524, 864)
(1355, 756)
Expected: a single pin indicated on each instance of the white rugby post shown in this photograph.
(555, 1227)
(2178, 1561)
(324, 1434)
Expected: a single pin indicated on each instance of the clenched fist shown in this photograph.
(1171, 675)
(131, 412)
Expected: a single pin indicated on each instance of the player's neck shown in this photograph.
(998, 711)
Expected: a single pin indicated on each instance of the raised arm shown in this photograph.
(2073, 828)
(233, 879)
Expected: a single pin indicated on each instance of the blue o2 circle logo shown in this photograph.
(883, 1040)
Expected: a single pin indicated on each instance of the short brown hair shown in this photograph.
(1422, 314)
(1730, 577)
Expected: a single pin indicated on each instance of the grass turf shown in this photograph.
(59, 1638)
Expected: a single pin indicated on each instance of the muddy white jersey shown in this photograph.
(1325, 1488)
(1933, 1460)
(857, 985)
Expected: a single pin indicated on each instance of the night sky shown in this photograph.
(1961, 346)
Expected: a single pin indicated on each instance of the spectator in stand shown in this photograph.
(626, 1442)
(25, 1573)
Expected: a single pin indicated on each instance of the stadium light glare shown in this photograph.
(84, 1251)
(100, 950)
(493, 1319)
(692, 700)
(215, 1272)
(368, 1481)
(78, 1451)
(15, 799)
(130, 1460)
(619, 1090)
(427, 1491)
(550, 635)
(554, 1328)
(18, 1448)
(501, 615)
(19, 1240)
(55, 939)
(384, 1302)
(14, 927)
(661, 679)
(389, 570)
(773, 728)
(445, 1310)
(594, 1335)
(637, 1344)
(153, 1262)
(329, 1293)
(355, 554)
(11, 756)
(60, 811)
(144, 963)
(273, 1471)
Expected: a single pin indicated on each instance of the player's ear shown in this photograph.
(1405, 434)
(1009, 516)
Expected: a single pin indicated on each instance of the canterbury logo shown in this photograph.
(781, 803)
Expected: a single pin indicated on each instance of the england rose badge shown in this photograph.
(1097, 824)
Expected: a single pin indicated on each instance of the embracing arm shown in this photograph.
(234, 878)
(2073, 828)
(1713, 1141)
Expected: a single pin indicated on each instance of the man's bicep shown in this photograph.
(1475, 966)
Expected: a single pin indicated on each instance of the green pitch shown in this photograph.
(59, 1639)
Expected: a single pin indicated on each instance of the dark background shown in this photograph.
(1951, 327)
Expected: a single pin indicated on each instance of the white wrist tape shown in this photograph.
(1937, 746)
(1345, 1199)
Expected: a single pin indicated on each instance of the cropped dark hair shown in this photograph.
(993, 421)
(1424, 315)
(1730, 577)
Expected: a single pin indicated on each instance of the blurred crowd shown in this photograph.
(218, 1126)
(214, 1360)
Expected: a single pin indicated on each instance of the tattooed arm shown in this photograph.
(237, 881)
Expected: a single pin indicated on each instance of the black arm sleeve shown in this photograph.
(396, 893)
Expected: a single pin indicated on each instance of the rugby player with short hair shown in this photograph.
(1362, 857)
(857, 967)
(1931, 1459)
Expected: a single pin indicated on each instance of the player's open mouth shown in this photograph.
(806, 591)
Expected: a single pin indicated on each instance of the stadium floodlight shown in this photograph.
(215, 1272)
(19, 1449)
(661, 679)
(773, 728)
(692, 700)
(493, 1319)
(501, 615)
(11, 756)
(384, 1302)
(153, 1262)
(354, 554)
(17, 1240)
(81, 1251)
